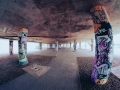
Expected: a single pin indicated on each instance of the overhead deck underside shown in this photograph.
(54, 20)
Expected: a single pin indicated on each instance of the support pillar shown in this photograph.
(85, 45)
(70, 45)
(92, 44)
(60, 45)
(56, 46)
(11, 47)
(80, 45)
(40, 45)
(104, 45)
(75, 49)
(22, 44)
(50, 45)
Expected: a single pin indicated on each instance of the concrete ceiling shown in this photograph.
(54, 20)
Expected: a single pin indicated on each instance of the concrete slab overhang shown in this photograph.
(54, 20)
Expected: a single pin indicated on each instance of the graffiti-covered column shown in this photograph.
(11, 47)
(56, 46)
(40, 45)
(92, 44)
(75, 43)
(22, 45)
(104, 41)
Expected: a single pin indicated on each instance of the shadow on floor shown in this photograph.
(85, 65)
(10, 68)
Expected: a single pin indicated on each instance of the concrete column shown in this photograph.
(75, 43)
(56, 46)
(92, 44)
(50, 45)
(85, 45)
(80, 45)
(104, 48)
(70, 45)
(22, 44)
(40, 45)
(60, 45)
(11, 47)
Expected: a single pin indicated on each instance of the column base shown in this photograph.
(23, 63)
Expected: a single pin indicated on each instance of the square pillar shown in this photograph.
(11, 47)
(56, 46)
(75, 47)
(40, 44)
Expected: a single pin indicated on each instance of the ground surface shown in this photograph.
(85, 68)
(69, 71)
(10, 69)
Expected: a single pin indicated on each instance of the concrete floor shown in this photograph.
(63, 75)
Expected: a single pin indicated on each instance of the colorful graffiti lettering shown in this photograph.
(22, 42)
(103, 50)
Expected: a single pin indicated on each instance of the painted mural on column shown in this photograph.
(104, 44)
(22, 42)
(11, 47)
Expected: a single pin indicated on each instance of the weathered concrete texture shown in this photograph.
(10, 68)
(62, 76)
(51, 20)
(66, 73)
(85, 69)
(85, 63)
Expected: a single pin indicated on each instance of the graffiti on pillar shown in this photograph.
(11, 47)
(103, 51)
(22, 41)
(98, 16)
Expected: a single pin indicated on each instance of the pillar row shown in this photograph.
(11, 47)
(56, 46)
(75, 43)
(40, 44)
(104, 40)
(22, 44)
